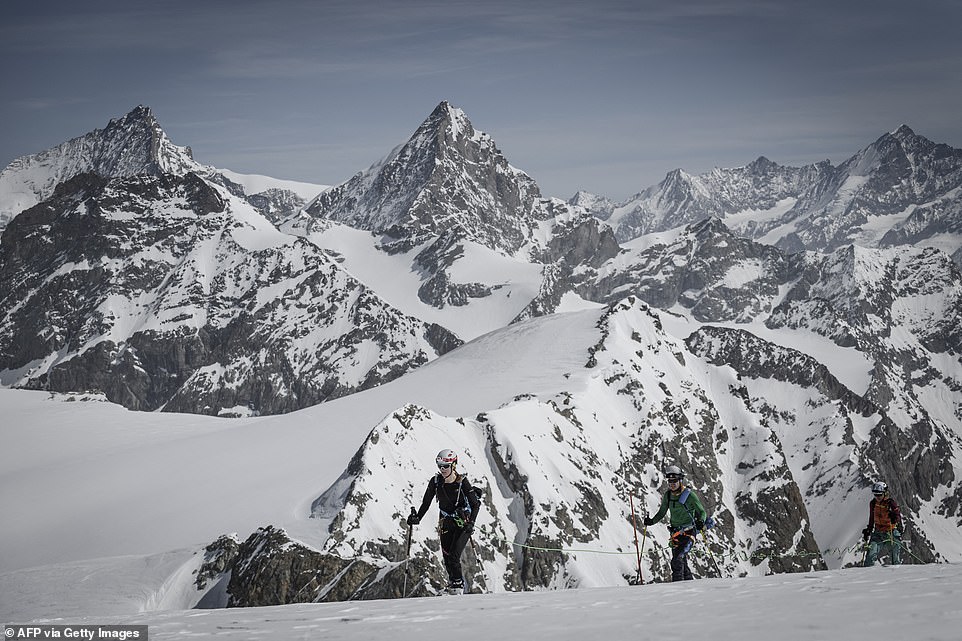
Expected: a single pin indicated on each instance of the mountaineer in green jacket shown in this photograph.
(686, 518)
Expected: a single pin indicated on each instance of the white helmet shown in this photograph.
(447, 457)
(674, 472)
(879, 488)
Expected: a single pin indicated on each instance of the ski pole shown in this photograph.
(865, 546)
(644, 538)
(407, 556)
(634, 527)
(711, 557)
(477, 557)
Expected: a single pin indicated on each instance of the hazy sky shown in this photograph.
(602, 95)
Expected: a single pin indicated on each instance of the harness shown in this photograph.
(460, 512)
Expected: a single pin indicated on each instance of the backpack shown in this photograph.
(682, 498)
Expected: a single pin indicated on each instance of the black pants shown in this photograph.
(453, 541)
(681, 544)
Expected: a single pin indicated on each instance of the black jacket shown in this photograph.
(454, 499)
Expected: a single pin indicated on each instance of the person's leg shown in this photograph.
(461, 541)
(452, 556)
(679, 559)
(873, 550)
(895, 548)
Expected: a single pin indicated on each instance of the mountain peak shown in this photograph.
(448, 177)
(762, 164)
(903, 132)
(903, 137)
(140, 112)
(130, 145)
(449, 121)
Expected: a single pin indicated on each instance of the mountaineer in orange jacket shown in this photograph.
(884, 526)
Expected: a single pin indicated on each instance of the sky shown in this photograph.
(605, 96)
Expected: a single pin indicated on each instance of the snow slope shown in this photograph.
(81, 480)
(862, 604)
(256, 183)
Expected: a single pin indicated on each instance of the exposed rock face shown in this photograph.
(446, 189)
(219, 558)
(705, 268)
(270, 569)
(277, 204)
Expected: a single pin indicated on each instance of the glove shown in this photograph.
(866, 533)
(469, 528)
(649, 521)
(413, 519)
(699, 525)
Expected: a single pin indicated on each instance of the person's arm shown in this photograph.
(661, 511)
(429, 493)
(698, 511)
(895, 514)
(867, 532)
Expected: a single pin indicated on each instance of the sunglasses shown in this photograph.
(444, 466)
(674, 480)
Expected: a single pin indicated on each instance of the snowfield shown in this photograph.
(922, 603)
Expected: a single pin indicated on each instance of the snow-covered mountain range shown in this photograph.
(787, 335)
(900, 190)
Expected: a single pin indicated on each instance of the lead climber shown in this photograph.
(459, 505)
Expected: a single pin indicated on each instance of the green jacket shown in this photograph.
(682, 516)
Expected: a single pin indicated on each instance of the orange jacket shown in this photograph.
(884, 515)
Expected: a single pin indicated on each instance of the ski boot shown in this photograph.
(456, 586)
